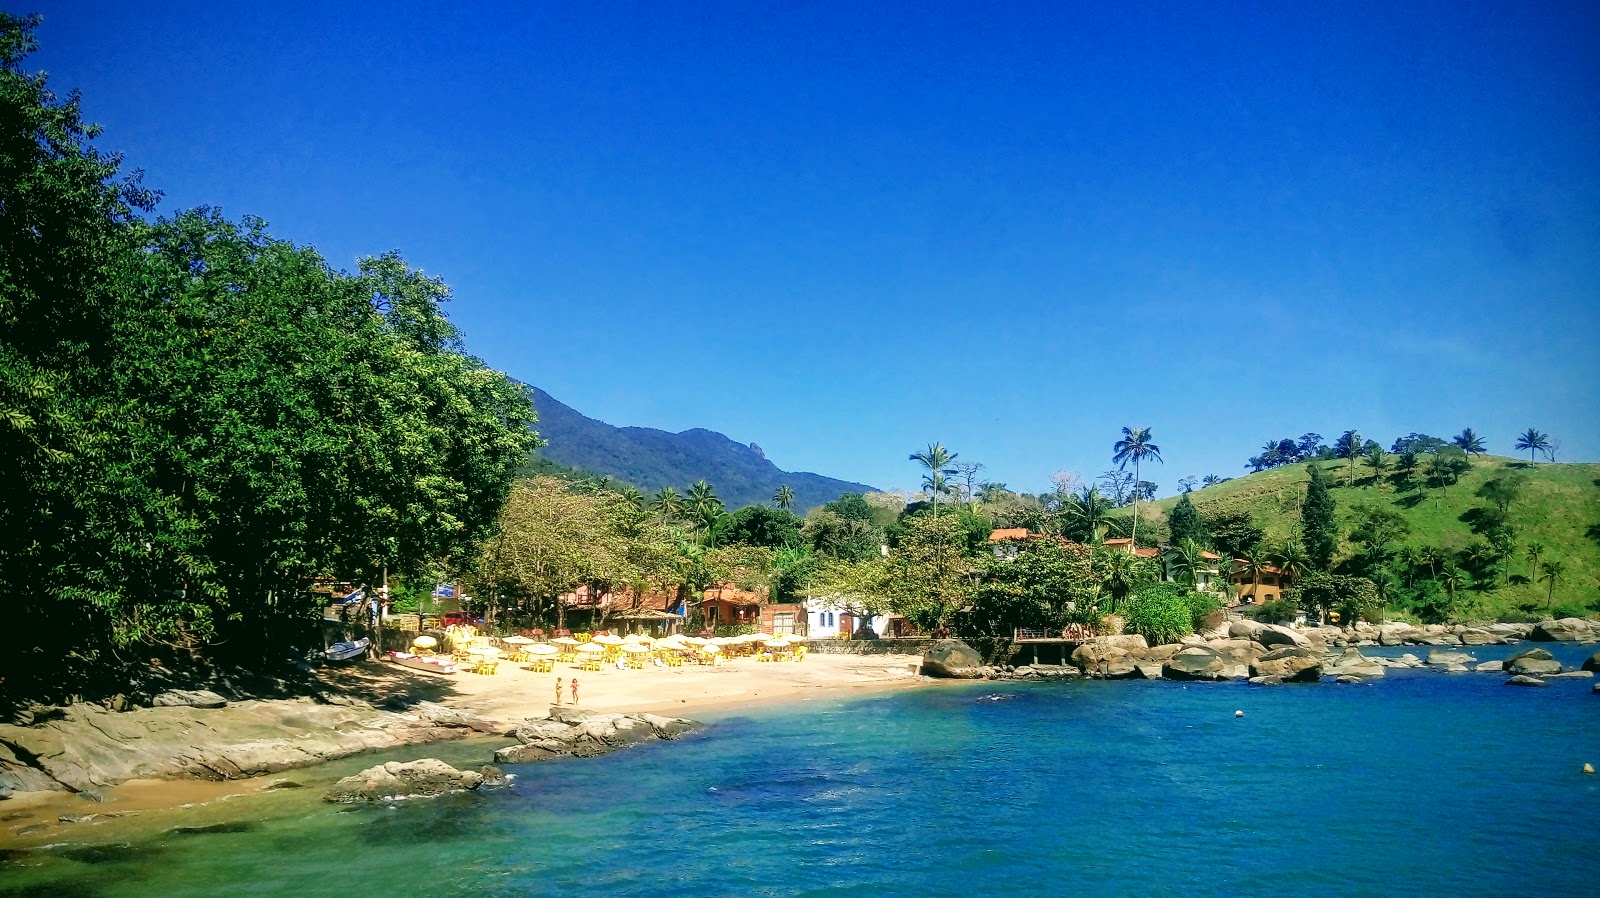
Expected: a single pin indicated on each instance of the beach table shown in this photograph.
(542, 657)
(589, 656)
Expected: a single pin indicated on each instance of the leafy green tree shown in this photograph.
(1046, 586)
(1135, 446)
(1469, 442)
(1447, 465)
(849, 539)
(1353, 597)
(1349, 446)
(783, 498)
(1319, 531)
(1503, 491)
(1407, 466)
(1121, 573)
(1453, 579)
(1088, 516)
(1185, 524)
(1532, 441)
(937, 461)
(1378, 528)
(1378, 461)
(928, 571)
(1160, 613)
(1233, 532)
(852, 507)
(1290, 557)
(758, 525)
(1186, 560)
(1551, 573)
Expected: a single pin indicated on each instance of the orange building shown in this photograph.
(1272, 583)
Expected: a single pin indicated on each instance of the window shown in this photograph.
(830, 618)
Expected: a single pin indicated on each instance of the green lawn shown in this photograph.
(1560, 507)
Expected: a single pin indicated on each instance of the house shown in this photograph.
(1006, 542)
(728, 605)
(1207, 577)
(1273, 581)
(655, 613)
(1126, 545)
(785, 620)
(827, 617)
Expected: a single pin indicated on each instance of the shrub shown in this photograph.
(1282, 611)
(1201, 606)
(1159, 613)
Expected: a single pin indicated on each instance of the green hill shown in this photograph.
(1558, 507)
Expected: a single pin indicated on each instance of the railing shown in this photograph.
(1070, 633)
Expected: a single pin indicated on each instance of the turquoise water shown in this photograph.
(1425, 783)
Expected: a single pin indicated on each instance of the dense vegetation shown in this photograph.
(197, 419)
(651, 459)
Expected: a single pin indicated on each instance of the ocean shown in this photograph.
(1419, 783)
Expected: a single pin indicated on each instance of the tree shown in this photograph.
(1447, 465)
(1187, 482)
(1309, 446)
(1378, 461)
(1233, 532)
(1187, 559)
(1532, 554)
(668, 505)
(1136, 447)
(1213, 480)
(1407, 467)
(1254, 563)
(758, 525)
(1552, 572)
(967, 471)
(1533, 441)
(1121, 573)
(784, 497)
(850, 539)
(1469, 442)
(1089, 515)
(1046, 586)
(1291, 558)
(1318, 529)
(1378, 527)
(936, 460)
(1185, 524)
(1349, 446)
(927, 572)
(1502, 491)
(1352, 597)
(1453, 579)
(1160, 613)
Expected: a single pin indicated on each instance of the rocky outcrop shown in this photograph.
(1480, 637)
(189, 698)
(1278, 635)
(1532, 662)
(1289, 664)
(1397, 634)
(1237, 651)
(1524, 680)
(1591, 663)
(1490, 666)
(1567, 629)
(952, 659)
(416, 779)
(1110, 657)
(87, 747)
(1438, 657)
(574, 732)
(1352, 663)
(1195, 663)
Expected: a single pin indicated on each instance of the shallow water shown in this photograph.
(1419, 782)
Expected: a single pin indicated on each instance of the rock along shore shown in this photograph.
(1269, 654)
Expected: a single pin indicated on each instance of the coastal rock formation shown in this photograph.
(1567, 629)
(573, 732)
(1480, 637)
(87, 747)
(189, 698)
(1490, 666)
(1397, 634)
(1591, 663)
(1353, 663)
(1532, 661)
(416, 779)
(1523, 680)
(1289, 664)
(1277, 634)
(1236, 651)
(1438, 657)
(952, 659)
(1194, 663)
(1110, 657)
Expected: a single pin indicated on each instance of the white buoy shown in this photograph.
(1238, 714)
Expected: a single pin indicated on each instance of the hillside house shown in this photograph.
(1273, 582)
(1006, 542)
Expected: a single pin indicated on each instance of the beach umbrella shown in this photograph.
(540, 648)
(632, 639)
(635, 649)
(487, 651)
(608, 639)
(564, 640)
(519, 640)
(590, 648)
(710, 649)
(424, 642)
(696, 640)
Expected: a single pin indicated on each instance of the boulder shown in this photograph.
(1591, 663)
(1523, 680)
(1347, 678)
(189, 698)
(668, 727)
(1290, 664)
(1568, 629)
(1490, 666)
(1149, 670)
(1243, 629)
(454, 717)
(1353, 663)
(1160, 653)
(1396, 634)
(1132, 643)
(526, 754)
(416, 779)
(1438, 657)
(1266, 681)
(1277, 634)
(1573, 675)
(1194, 663)
(1532, 661)
(1481, 637)
(1237, 651)
(952, 659)
(1512, 631)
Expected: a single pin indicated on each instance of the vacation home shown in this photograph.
(1254, 588)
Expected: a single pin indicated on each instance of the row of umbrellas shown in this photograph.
(633, 644)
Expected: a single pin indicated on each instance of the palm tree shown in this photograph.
(1211, 480)
(1378, 460)
(1349, 446)
(1470, 443)
(1188, 559)
(992, 491)
(1452, 577)
(1553, 572)
(784, 497)
(1135, 446)
(704, 504)
(1291, 559)
(1532, 553)
(1407, 467)
(632, 498)
(1533, 441)
(1120, 573)
(937, 461)
(668, 504)
(1091, 510)
(1255, 564)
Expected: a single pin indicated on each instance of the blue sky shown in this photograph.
(844, 232)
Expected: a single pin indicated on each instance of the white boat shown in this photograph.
(440, 664)
(346, 651)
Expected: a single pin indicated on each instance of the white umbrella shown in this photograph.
(424, 642)
(608, 639)
(543, 649)
(519, 640)
(564, 640)
(710, 649)
(591, 648)
(487, 651)
(635, 649)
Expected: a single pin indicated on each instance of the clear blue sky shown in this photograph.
(844, 233)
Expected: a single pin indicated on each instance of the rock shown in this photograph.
(189, 698)
(234, 826)
(1514, 631)
(527, 754)
(1289, 663)
(493, 776)
(1266, 681)
(952, 659)
(1396, 634)
(1277, 634)
(1193, 639)
(1533, 661)
(1568, 629)
(1592, 662)
(1352, 663)
(1149, 670)
(1160, 653)
(534, 730)
(417, 779)
(1490, 666)
(1442, 639)
(1243, 629)
(1455, 668)
(1574, 675)
(1237, 651)
(1409, 660)
(1481, 637)
(1521, 680)
(1347, 678)
(1235, 672)
(1438, 657)
(454, 717)
(668, 727)
(1129, 642)
(280, 785)
(1194, 663)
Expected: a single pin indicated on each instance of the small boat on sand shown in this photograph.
(345, 651)
(439, 664)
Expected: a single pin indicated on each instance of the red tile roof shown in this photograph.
(1010, 533)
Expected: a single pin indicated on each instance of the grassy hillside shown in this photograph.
(1560, 508)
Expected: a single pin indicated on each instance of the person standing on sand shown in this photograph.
(574, 690)
(562, 681)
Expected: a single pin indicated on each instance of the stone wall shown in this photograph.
(994, 650)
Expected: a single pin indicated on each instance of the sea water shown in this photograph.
(1420, 783)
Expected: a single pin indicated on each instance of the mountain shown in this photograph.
(651, 459)
(1558, 507)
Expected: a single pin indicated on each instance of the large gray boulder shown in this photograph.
(1397, 634)
(1481, 637)
(1243, 629)
(1533, 662)
(1592, 662)
(1290, 664)
(1194, 663)
(1353, 663)
(582, 733)
(417, 779)
(952, 659)
(1568, 629)
(1276, 634)
(1111, 657)
(1237, 651)
(1524, 680)
(1438, 657)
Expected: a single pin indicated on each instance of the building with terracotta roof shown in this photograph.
(1246, 588)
